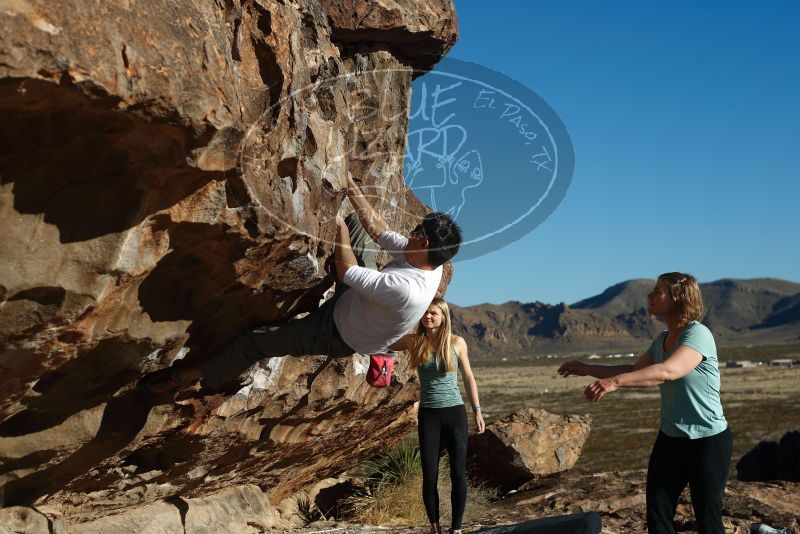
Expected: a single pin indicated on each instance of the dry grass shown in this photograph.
(760, 403)
(397, 500)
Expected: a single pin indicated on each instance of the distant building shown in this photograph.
(741, 363)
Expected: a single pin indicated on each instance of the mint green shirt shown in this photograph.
(690, 406)
(438, 389)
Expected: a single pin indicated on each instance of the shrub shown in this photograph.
(396, 491)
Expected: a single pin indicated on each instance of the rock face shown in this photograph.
(242, 509)
(527, 444)
(169, 175)
(21, 519)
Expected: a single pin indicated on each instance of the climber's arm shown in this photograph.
(345, 258)
(370, 219)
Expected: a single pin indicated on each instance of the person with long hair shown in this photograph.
(694, 443)
(437, 355)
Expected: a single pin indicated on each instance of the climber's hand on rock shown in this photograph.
(353, 181)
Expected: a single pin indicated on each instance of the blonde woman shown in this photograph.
(694, 444)
(437, 355)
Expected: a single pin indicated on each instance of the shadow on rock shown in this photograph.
(88, 169)
(123, 418)
(79, 384)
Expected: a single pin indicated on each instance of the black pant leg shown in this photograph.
(667, 475)
(429, 429)
(454, 435)
(711, 457)
(313, 334)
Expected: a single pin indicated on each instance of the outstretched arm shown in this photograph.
(370, 219)
(680, 363)
(469, 382)
(602, 371)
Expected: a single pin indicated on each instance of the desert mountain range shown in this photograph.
(739, 312)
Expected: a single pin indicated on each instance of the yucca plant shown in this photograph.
(307, 510)
(394, 465)
(395, 490)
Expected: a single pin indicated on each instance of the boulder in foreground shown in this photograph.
(525, 445)
(772, 461)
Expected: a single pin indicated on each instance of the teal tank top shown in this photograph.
(438, 389)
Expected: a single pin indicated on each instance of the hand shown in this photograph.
(339, 220)
(350, 184)
(352, 181)
(479, 422)
(599, 388)
(573, 368)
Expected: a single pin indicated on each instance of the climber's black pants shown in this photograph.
(702, 464)
(315, 333)
(448, 427)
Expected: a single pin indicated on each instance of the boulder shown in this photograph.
(789, 456)
(772, 461)
(527, 444)
(760, 463)
(170, 173)
(244, 509)
(24, 520)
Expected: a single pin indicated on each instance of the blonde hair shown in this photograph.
(685, 292)
(440, 343)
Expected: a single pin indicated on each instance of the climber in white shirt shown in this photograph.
(377, 310)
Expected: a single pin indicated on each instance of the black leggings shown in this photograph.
(448, 427)
(703, 464)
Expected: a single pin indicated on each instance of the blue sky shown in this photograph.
(685, 120)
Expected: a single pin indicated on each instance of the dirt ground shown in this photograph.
(760, 403)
